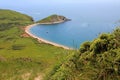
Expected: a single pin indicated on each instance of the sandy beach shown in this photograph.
(57, 22)
(41, 39)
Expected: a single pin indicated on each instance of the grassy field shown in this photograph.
(21, 57)
(24, 58)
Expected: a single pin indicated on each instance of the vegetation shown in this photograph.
(96, 60)
(52, 19)
(10, 18)
(24, 58)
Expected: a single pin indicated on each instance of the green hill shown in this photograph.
(53, 19)
(10, 18)
(23, 58)
(96, 60)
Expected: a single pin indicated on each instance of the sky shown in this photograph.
(29, 4)
(38, 2)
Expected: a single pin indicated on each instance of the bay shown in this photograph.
(88, 20)
(86, 24)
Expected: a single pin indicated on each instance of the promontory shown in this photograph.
(53, 19)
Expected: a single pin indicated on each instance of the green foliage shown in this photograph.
(85, 47)
(97, 60)
(99, 46)
(116, 33)
(104, 43)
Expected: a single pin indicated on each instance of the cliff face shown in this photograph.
(53, 19)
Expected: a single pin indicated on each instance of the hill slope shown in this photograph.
(23, 58)
(53, 19)
(96, 60)
(10, 18)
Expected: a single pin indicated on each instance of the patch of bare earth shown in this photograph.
(25, 35)
(2, 58)
(39, 77)
(26, 76)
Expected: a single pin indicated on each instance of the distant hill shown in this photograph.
(10, 18)
(96, 60)
(53, 19)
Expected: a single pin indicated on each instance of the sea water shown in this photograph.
(88, 20)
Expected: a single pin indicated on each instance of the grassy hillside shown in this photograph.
(10, 18)
(23, 58)
(96, 60)
(52, 18)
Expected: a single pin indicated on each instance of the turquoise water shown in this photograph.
(87, 23)
(69, 33)
(89, 19)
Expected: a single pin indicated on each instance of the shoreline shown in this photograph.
(53, 22)
(27, 28)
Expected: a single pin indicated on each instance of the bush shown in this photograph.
(116, 33)
(99, 46)
(85, 47)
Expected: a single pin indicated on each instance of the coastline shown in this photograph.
(27, 28)
(57, 22)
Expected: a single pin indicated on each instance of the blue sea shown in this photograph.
(88, 20)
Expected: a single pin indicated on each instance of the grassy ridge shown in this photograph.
(96, 60)
(23, 58)
(10, 18)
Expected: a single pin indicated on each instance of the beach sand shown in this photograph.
(27, 30)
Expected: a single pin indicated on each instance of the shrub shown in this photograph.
(85, 47)
(99, 46)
